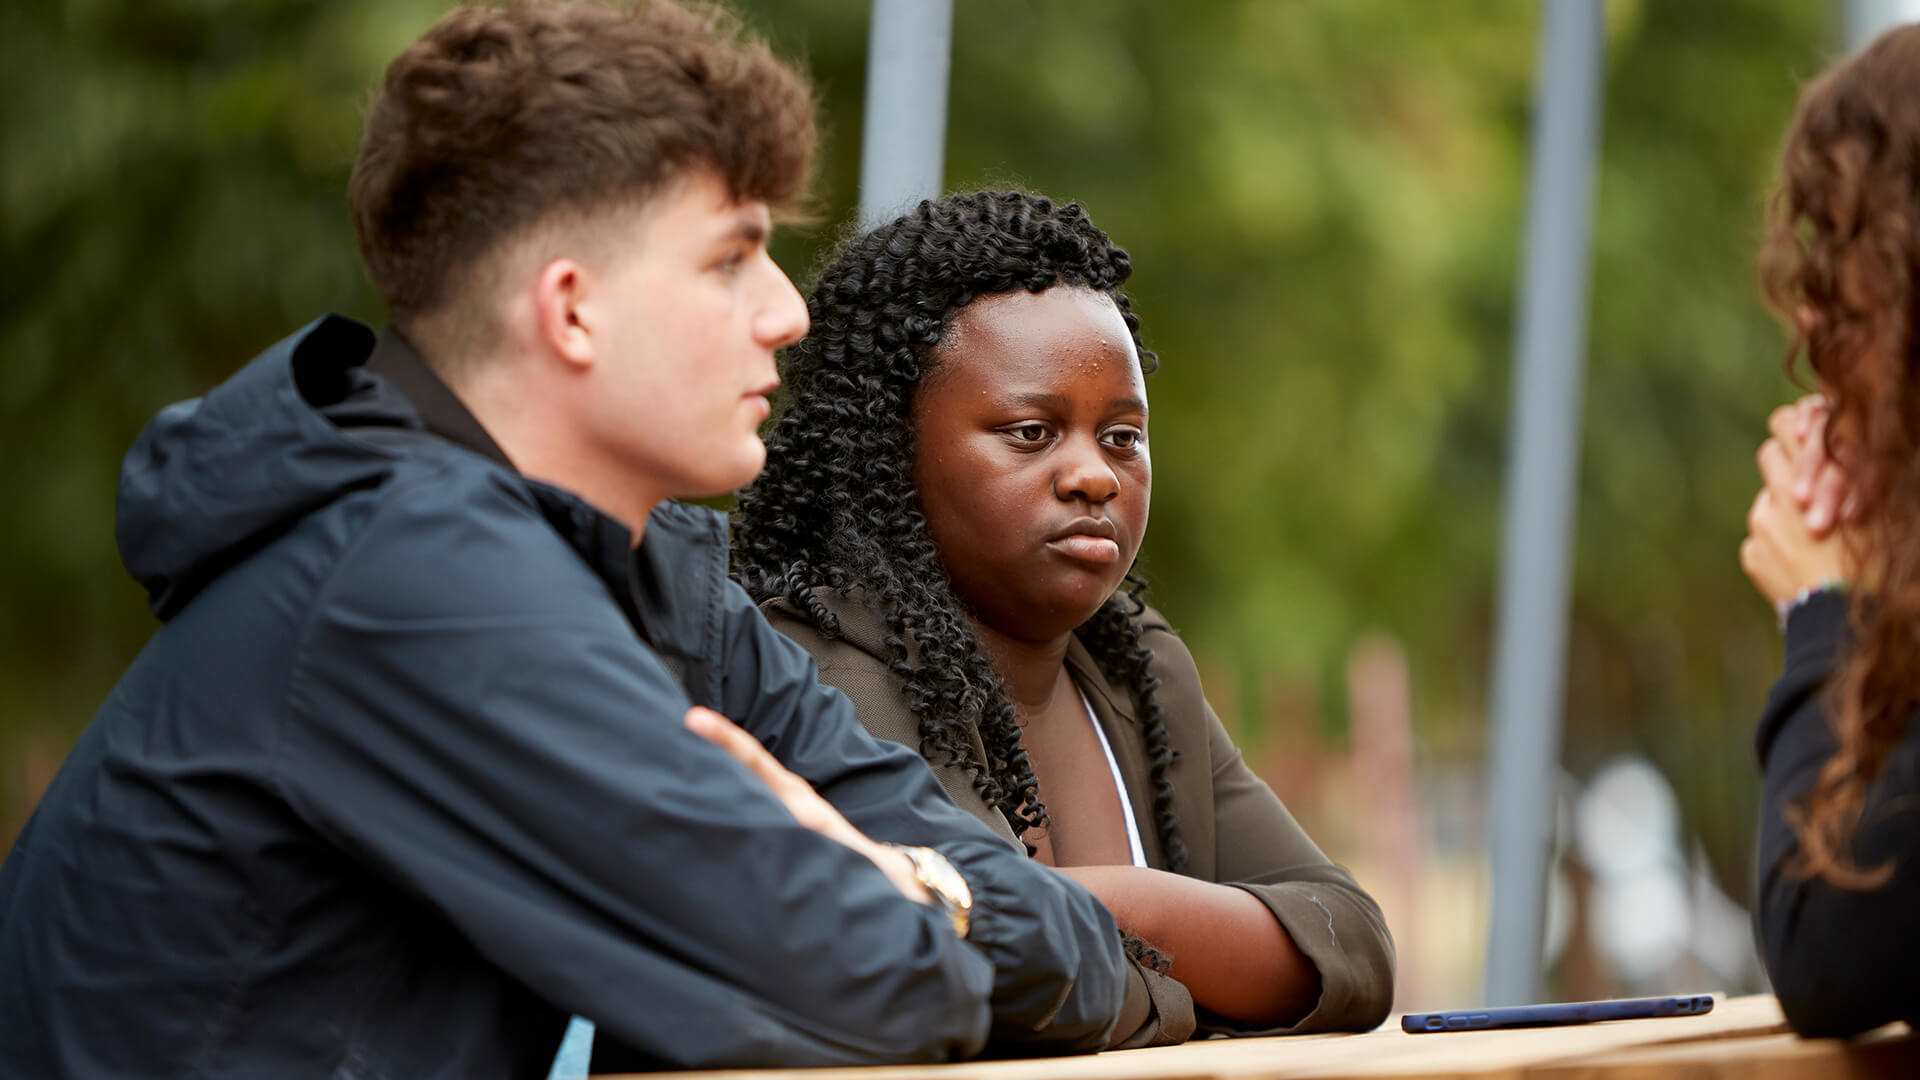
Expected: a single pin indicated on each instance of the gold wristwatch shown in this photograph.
(948, 889)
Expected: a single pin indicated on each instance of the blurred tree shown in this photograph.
(1324, 202)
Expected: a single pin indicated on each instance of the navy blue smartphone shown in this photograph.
(1556, 1014)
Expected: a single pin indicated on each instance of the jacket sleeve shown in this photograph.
(1842, 961)
(1159, 1011)
(1260, 848)
(487, 734)
(1059, 973)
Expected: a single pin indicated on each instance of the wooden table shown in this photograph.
(1743, 1037)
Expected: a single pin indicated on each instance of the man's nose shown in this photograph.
(783, 318)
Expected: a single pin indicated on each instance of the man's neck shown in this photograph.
(549, 448)
(521, 422)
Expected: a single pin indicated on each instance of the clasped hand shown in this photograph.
(1794, 527)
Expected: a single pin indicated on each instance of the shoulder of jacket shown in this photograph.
(1169, 649)
(459, 533)
(863, 628)
(1183, 697)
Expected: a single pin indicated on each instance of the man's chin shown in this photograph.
(720, 478)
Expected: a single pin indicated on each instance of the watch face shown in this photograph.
(949, 879)
(946, 884)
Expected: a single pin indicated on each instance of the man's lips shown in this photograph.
(1088, 540)
(760, 399)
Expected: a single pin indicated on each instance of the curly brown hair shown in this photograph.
(503, 117)
(1838, 266)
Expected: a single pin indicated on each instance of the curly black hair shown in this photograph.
(837, 508)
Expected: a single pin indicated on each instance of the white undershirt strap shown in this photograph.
(1119, 785)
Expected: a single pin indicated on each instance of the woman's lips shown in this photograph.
(1088, 549)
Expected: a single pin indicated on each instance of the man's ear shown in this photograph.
(560, 311)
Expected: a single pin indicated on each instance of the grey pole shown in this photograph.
(903, 150)
(1865, 19)
(1542, 467)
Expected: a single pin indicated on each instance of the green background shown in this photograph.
(1324, 199)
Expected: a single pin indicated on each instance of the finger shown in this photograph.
(1750, 560)
(1813, 410)
(1777, 470)
(732, 738)
(1813, 454)
(1787, 422)
(1757, 514)
(1824, 507)
(1813, 407)
(1756, 562)
(789, 787)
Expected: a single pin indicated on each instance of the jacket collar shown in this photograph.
(1086, 671)
(441, 411)
(863, 626)
(664, 587)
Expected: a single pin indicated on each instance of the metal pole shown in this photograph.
(902, 156)
(1865, 19)
(1542, 466)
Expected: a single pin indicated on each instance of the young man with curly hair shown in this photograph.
(421, 760)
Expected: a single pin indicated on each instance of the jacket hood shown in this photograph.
(213, 478)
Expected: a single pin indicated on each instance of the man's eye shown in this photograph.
(1028, 432)
(1124, 439)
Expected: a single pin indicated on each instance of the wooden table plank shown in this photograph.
(1892, 1052)
(1741, 1037)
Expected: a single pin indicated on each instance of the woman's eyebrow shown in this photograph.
(1041, 399)
(1034, 399)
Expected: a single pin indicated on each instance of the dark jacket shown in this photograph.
(1237, 831)
(1842, 961)
(403, 781)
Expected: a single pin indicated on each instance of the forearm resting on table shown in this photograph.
(1227, 947)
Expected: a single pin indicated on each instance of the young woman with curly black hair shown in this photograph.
(954, 497)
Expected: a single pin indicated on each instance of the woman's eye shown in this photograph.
(1124, 438)
(1028, 432)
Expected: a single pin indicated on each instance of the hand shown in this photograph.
(1781, 554)
(1820, 487)
(804, 803)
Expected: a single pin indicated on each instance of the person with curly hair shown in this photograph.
(954, 498)
(1831, 542)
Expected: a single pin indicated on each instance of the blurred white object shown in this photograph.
(1628, 828)
(1628, 821)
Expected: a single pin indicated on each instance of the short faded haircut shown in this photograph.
(502, 118)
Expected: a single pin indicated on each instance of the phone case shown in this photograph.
(1555, 1014)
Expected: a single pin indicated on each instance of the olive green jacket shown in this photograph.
(1237, 831)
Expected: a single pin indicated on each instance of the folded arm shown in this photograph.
(1059, 973)
(488, 735)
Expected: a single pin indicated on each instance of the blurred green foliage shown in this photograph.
(1324, 199)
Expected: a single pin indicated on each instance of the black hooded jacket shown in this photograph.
(402, 781)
